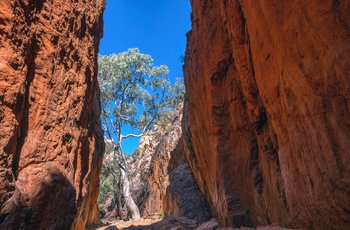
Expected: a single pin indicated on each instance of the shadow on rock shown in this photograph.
(168, 223)
(44, 199)
(111, 228)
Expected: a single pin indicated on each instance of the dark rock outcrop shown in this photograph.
(51, 142)
(268, 125)
(183, 197)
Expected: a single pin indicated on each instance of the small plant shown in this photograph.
(162, 214)
(182, 58)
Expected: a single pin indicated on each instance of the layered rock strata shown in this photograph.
(51, 143)
(268, 123)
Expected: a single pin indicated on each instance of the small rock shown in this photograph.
(212, 224)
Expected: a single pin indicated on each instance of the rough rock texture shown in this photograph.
(183, 223)
(169, 185)
(268, 125)
(150, 176)
(161, 179)
(183, 197)
(51, 142)
(149, 167)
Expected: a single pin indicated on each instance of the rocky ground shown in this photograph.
(120, 224)
(173, 223)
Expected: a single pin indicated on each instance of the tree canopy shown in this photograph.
(133, 91)
(135, 95)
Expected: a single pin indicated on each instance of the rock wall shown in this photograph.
(157, 180)
(183, 197)
(149, 171)
(161, 179)
(169, 185)
(51, 143)
(268, 125)
(159, 150)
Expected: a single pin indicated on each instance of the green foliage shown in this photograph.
(109, 175)
(176, 93)
(135, 96)
(108, 181)
(134, 92)
(129, 81)
(162, 214)
(182, 58)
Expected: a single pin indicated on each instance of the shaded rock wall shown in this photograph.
(268, 125)
(51, 142)
(183, 197)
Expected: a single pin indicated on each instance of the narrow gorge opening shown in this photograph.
(265, 132)
(142, 94)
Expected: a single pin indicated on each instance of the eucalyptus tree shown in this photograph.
(133, 95)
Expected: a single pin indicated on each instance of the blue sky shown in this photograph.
(156, 27)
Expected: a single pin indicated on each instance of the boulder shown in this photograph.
(51, 141)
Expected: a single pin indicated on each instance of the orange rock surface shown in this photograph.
(268, 129)
(51, 143)
(150, 170)
(162, 182)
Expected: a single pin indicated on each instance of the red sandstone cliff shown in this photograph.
(268, 129)
(168, 185)
(51, 143)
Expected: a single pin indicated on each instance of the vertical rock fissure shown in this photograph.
(24, 122)
(255, 112)
(264, 157)
(287, 128)
(242, 59)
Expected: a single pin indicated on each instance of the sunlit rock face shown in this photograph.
(51, 142)
(149, 168)
(161, 180)
(268, 123)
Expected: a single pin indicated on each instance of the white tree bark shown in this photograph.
(130, 203)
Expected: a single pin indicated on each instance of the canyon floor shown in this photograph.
(172, 223)
(120, 224)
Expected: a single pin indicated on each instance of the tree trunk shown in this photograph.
(120, 206)
(130, 203)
